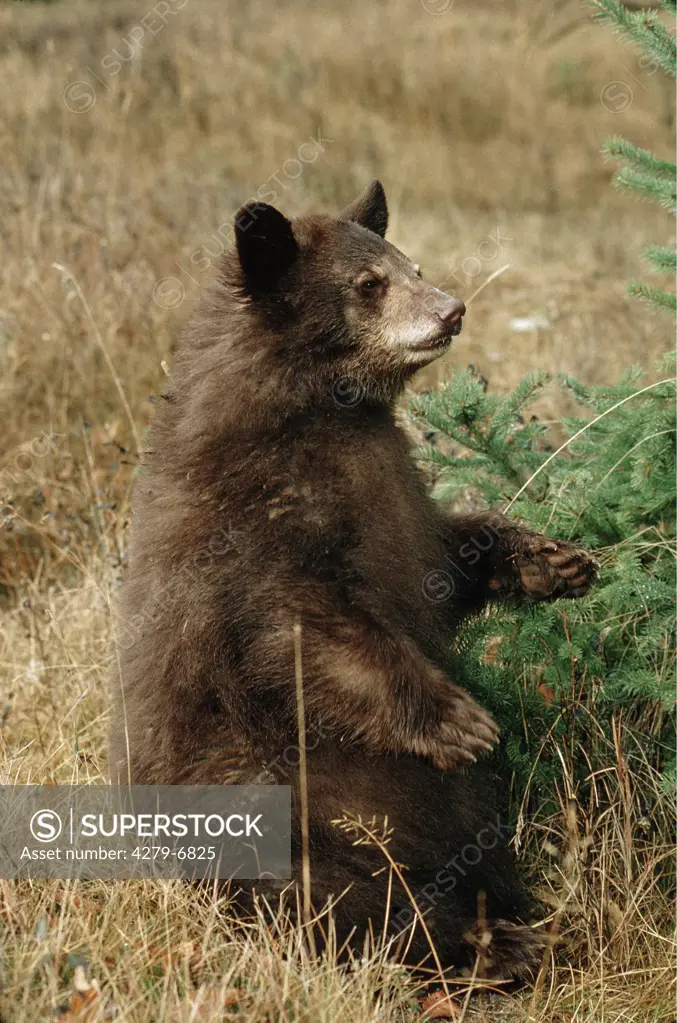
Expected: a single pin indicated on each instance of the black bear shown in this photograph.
(279, 490)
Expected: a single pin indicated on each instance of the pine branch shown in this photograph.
(618, 148)
(663, 259)
(653, 295)
(648, 187)
(643, 28)
(613, 495)
(647, 175)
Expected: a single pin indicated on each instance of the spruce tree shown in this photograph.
(643, 172)
(558, 673)
(560, 676)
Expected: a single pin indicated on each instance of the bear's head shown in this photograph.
(331, 292)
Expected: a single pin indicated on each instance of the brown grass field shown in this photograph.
(127, 144)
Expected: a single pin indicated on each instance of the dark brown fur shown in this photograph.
(279, 489)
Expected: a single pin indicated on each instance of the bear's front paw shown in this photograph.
(465, 730)
(545, 569)
(555, 568)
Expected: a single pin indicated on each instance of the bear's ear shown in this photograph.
(369, 209)
(266, 246)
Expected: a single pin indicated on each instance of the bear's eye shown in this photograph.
(370, 285)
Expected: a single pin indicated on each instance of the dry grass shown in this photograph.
(482, 122)
(158, 951)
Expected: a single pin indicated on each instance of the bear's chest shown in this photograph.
(397, 539)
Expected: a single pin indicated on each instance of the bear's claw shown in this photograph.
(465, 730)
(543, 569)
(556, 569)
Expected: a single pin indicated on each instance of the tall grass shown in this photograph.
(484, 124)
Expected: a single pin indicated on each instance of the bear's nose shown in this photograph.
(450, 311)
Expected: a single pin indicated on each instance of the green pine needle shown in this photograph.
(663, 259)
(653, 295)
(648, 187)
(642, 172)
(643, 28)
(618, 148)
(611, 491)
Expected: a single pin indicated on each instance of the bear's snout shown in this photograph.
(451, 311)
